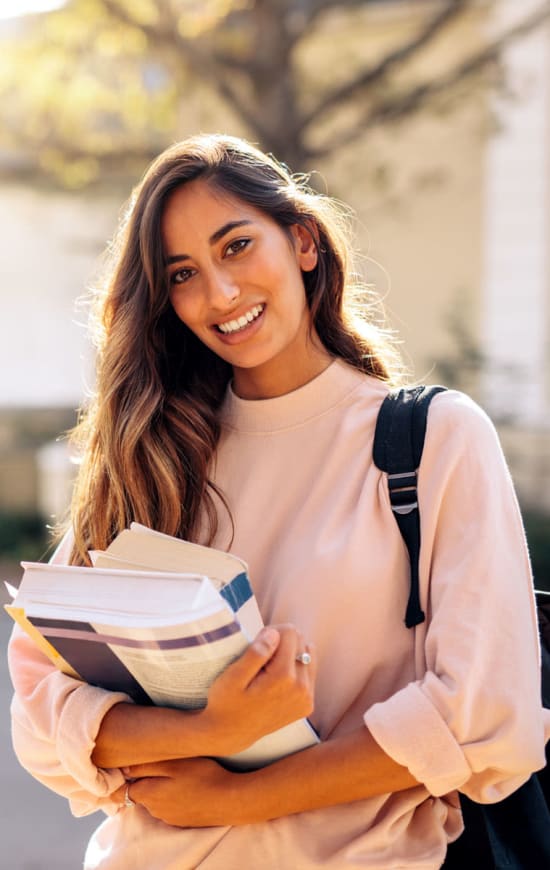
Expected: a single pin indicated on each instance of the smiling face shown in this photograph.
(235, 280)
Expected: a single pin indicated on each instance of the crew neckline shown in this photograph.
(307, 402)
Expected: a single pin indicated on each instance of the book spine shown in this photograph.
(237, 592)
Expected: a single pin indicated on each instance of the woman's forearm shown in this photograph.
(130, 734)
(198, 792)
(342, 770)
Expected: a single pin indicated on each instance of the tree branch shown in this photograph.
(167, 35)
(315, 8)
(157, 35)
(202, 62)
(435, 26)
(405, 104)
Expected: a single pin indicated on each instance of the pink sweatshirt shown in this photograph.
(456, 700)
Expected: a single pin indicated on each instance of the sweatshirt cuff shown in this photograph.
(411, 731)
(79, 724)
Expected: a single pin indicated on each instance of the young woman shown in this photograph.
(236, 401)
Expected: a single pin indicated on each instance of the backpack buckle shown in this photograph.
(403, 492)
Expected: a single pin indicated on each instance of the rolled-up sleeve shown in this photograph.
(55, 720)
(473, 719)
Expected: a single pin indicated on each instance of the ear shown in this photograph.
(304, 245)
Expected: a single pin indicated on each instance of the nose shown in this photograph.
(222, 289)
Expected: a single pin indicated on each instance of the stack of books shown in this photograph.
(156, 617)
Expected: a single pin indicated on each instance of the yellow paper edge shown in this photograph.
(19, 616)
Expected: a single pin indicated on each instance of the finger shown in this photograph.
(260, 651)
(150, 768)
(306, 673)
(304, 656)
(118, 796)
(291, 643)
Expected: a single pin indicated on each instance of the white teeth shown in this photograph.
(243, 320)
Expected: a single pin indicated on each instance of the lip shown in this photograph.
(241, 334)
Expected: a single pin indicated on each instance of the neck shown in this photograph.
(278, 379)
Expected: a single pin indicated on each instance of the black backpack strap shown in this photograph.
(398, 445)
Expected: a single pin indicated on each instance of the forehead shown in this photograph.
(197, 208)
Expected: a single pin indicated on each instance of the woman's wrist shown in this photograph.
(209, 734)
(132, 734)
(200, 735)
(246, 801)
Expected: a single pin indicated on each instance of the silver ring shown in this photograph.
(304, 658)
(128, 802)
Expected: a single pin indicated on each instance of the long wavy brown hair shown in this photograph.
(147, 438)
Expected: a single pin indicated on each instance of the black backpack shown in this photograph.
(514, 833)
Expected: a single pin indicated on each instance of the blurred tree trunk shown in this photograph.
(259, 78)
(251, 54)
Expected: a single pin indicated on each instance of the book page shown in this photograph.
(115, 591)
(139, 543)
(236, 591)
(176, 665)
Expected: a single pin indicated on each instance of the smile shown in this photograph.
(241, 322)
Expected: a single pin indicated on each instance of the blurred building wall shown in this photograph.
(516, 267)
(26, 472)
(50, 242)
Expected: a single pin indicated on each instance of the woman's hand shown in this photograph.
(257, 695)
(263, 690)
(188, 793)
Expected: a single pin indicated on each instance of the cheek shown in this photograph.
(186, 308)
(296, 295)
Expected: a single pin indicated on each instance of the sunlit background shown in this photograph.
(430, 118)
(19, 8)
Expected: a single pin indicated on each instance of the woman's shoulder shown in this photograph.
(460, 432)
(454, 413)
(455, 420)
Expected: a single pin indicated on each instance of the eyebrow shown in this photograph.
(215, 237)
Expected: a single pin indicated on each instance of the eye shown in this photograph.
(236, 247)
(181, 276)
